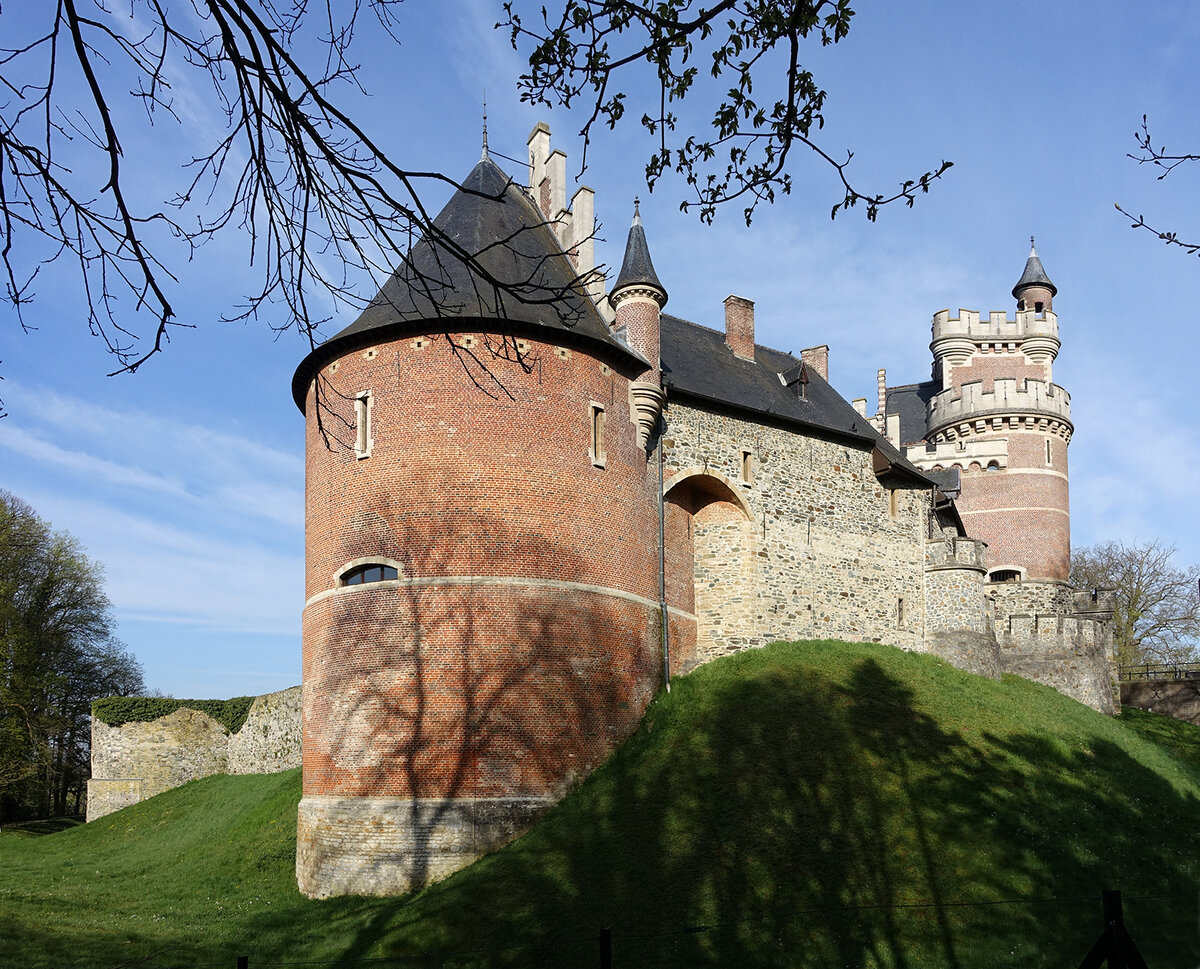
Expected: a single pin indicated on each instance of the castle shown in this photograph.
(532, 499)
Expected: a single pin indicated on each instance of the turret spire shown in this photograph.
(637, 268)
(1034, 278)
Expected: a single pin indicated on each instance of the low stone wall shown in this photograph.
(138, 760)
(1172, 698)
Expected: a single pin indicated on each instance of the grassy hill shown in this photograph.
(810, 804)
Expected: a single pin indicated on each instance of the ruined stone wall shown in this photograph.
(135, 761)
(822, 548)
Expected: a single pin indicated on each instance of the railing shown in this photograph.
(1159, 671)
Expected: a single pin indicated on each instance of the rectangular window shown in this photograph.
(362, 425)
(596, 446)
(747, 467)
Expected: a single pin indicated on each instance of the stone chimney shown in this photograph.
(739, 326)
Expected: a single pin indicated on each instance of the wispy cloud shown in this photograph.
(198, 526)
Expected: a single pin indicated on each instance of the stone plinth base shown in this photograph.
(388, 846)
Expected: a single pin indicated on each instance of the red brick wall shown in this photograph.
(989, 368)
(1024, 517)
(640, 320)
(508, 685)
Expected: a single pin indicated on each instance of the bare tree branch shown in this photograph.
(577, 55)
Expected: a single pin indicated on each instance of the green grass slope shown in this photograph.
(810, 804)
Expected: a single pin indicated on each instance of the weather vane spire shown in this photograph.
(483, 156)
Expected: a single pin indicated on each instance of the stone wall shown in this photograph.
(810, 544)
(1064, 653)
(958, 616)
(1172, 698)
(138, 760)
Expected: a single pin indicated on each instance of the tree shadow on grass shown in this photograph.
(785, 817)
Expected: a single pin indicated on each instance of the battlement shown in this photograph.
(956, 553)
(1034, 406)
(1066, 633)
(997, 328)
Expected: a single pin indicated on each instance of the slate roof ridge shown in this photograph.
(721, 334)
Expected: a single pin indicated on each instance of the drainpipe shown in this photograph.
(662, 559)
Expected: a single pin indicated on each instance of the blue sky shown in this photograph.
(186, 479)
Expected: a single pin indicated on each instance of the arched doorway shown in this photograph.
(711, 549)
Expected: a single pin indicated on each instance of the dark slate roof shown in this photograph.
(1034, 275)
(637, 269)
(493, 219)
(697, 362)
(911, 403)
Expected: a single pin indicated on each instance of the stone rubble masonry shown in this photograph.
(138, 760)
(1052, 634)
(808, 548)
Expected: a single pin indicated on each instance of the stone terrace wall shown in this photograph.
(138, 760)
(1172, 698)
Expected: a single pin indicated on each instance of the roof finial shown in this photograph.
(483, 156)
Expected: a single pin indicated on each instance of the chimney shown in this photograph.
(539, 154)
(817, 360)
(739, 326)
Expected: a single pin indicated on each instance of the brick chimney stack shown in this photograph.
(739, 326)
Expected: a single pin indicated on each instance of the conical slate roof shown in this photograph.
(523, 278)
(637, 269)
(1034, 275)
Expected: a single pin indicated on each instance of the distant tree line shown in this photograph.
(57, 655)
(1157, 619)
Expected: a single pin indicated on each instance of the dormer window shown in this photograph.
(370, 572)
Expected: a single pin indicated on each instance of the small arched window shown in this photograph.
(371, 572)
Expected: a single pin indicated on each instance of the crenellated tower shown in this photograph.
(993, 413)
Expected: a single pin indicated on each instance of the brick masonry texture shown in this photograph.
(138, 760)
(518, 644)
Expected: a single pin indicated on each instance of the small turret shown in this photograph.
(637, 297)
(1034, 291)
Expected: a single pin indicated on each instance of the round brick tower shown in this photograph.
(1002, 419)
(482, 611)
